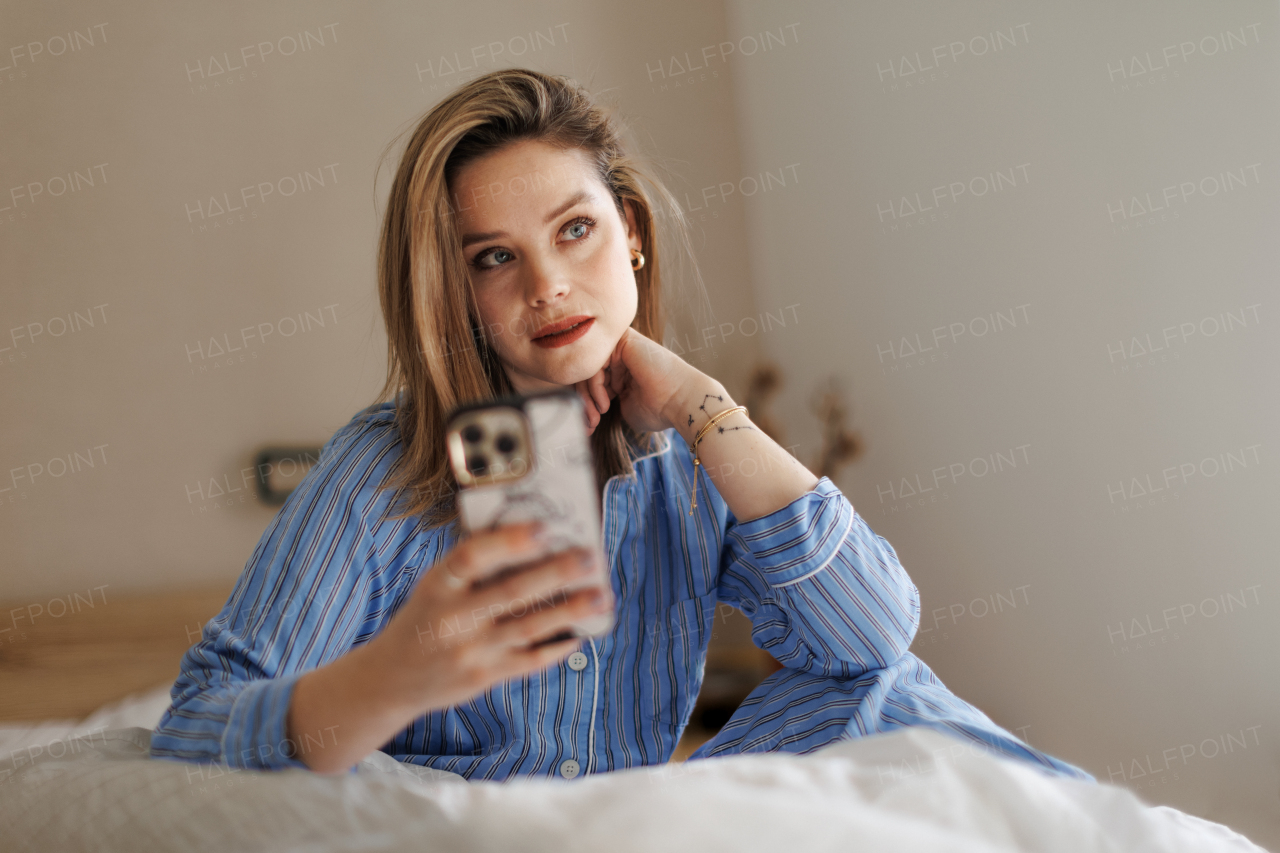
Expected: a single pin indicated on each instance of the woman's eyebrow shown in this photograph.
(579, 196)
(576, 198)
(479, 238)
(468, 239)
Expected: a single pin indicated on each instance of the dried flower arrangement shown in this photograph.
(839, 445)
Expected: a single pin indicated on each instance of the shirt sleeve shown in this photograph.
(824, 593)
(304, 598)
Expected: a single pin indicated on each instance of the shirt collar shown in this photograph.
(660, 441)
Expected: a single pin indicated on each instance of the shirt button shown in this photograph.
(577, 661)
(569, 769)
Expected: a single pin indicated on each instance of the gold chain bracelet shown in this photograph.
(697, 463)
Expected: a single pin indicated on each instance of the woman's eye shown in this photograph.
(579, 228)
(494, 258)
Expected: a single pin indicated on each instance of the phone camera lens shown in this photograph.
(506, 443)
(472, 433)
(477, 465)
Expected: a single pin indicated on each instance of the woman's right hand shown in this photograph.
(455, 638)
(451, 640)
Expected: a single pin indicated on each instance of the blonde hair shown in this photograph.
(437, 354)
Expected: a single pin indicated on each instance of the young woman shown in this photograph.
(520, 253)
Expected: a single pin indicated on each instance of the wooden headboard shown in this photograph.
(104, 647)
(99, 649)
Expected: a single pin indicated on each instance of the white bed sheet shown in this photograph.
(139, 709)
(911, 790)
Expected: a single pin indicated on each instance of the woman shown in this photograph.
(520, 253)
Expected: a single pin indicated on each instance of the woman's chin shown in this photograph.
(577, 362)
(535, 381)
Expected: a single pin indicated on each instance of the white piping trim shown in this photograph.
(666, 445)
(595, 693)
(826, 562)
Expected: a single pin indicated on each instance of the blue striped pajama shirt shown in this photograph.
(826, 597)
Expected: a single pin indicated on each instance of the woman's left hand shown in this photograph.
(643, 375)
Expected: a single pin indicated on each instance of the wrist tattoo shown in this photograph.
(703, 409)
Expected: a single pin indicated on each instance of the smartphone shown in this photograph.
(518, 458)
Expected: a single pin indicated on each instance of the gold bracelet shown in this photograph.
(697, 438)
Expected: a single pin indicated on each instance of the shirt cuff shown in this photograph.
(256, 736)
(801, 538)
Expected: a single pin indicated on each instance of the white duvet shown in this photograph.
(912, 790)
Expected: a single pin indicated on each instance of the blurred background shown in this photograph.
(1004, 271)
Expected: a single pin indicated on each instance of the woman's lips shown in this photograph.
(566, 337)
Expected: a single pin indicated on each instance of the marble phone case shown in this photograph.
(558, 487)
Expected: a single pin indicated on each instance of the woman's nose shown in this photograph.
(546, 283)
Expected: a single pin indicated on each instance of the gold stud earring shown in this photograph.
(637, 259)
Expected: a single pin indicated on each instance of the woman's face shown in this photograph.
(544, 244)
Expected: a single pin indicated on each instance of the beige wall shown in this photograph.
(1038, 575)
(143, 113)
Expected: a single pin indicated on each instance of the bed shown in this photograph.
(72, 781)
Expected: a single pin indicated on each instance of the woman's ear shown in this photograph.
(633, 234)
